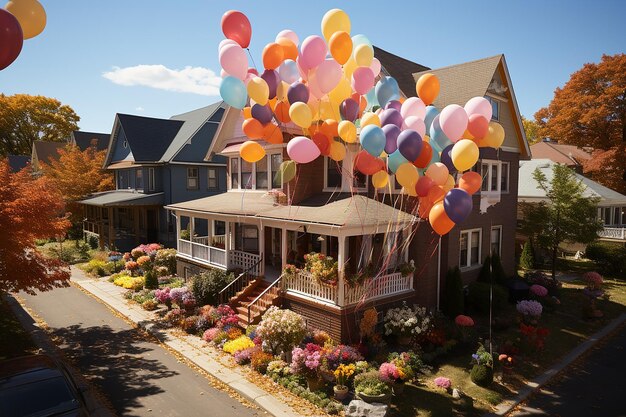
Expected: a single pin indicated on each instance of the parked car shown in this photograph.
(39, 386)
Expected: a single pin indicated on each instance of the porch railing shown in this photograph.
(618, 233)
(266, 298)
(203, 240)
(246, 261)
(238, 284)
(91, 227)
(209, 254)
(303, 283)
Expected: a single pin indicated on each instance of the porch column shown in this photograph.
(341, 257)
(405, 238)
(261, 235)
(192, 228)
(283, 248)
(111, 235)
(227, 242)
(177, 228)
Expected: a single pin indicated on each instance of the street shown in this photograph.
(138, 376)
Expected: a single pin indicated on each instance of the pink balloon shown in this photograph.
(363, 80)
(304, 73)
(253, 71)
(453, 121)
(375, 66)
(328, 75)
(225, 42)
(415, 123)
(413, 106)
(289, 34)
(234, 61)
(249, 76)
(313, 52)
(302, 150)
(479, 105)
(314, 87)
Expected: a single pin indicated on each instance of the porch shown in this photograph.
(613, 233)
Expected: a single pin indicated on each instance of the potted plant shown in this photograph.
(530, 311)
(307, 362)
(593, 291)
(405, 322)
(323, 268)
(342, 375)
(370, 388)
(482, 371)
(396, 373)
(507, 363)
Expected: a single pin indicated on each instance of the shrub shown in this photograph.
(240, 343)
(281, 330)
(224, 316)
(527, 258)
(206, 286)
(210, 334)
(485, 272)
(175, 317)
(189, 324)
(492, 271)
(610, 258)
(95, 267)
(93, 241)
(149, 304)
(479, 295)
(453, 302)
(370, 384)
(243, 357)
(260, 360)
(482, 375)
(539, 278)
(166, 258)
(128, 282)
(151, 280)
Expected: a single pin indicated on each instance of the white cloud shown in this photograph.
(139, 108)
(196, 80)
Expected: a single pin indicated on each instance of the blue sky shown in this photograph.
(544, 42)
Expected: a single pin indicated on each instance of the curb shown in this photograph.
(536, 384)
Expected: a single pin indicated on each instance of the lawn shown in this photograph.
(14, 340)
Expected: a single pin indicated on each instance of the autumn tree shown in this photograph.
(30, 209)
(25, 119)
(590, 110)
(531, 129)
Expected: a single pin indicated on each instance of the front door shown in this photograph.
(273, 252)
(152, 225)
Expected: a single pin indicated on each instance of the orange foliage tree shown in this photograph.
(30, 209)
(590, 110)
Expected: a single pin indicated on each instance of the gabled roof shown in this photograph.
(401, 69)
(123, 198)
(17, 162)
(47, 151)
(563, 154)
(148, 137)
(86, 139)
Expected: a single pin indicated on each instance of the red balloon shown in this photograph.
(11, 39)
(423, 186)
(322, 142)
(368, 164)
(236, 26)
(471, 182)
(426, 154)
(435, 194)
(478, 125)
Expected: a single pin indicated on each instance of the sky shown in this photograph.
(159, 58)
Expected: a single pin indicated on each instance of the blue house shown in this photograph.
(156, 162)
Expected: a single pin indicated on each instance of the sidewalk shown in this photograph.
(191, 348)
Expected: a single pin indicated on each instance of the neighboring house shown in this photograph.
(569, 155)
(335, 211)
(156, 162)
(611, 205)
(18, 162)
(86, 139)
(45, 152)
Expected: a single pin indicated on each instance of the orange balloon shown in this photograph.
(435, 194)
(340, 45)
(290, 50)
(423, 210)
(273, 134)
(427, 88)
(273, 56)
(471, 182)
(362, 102)
(329, 128)
(439, 220)
(467, 135)
(281, 111)
(425, 156)
(247, 112)
(253, 128)
(322, 142)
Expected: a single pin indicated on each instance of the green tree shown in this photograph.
(566, 216)
(527, 259)
(453, 303)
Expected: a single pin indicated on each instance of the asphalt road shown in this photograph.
(592, 386)
(138, 376)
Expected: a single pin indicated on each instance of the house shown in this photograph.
(84, 140)
(18, 162)
(155, 162)
(335, 211)
(611, 205)
(44, 152)
(569, 155)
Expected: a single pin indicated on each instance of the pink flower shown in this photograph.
(388, 372)
(539, 290)
(464, 321)
(593, 279)
(443, 382)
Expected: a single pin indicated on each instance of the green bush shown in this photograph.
(95, 267)
(151, 280)
(482, 375)
(206, 286)
(492, 271)
(167, 259)
(527, 259)
(485, 272)
(610, 258)
(453, 303)
(92, 241)
(479, 293)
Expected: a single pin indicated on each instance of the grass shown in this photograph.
(14, 340)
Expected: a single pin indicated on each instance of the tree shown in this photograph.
(567, 216)
(531, 129)
(527, 259)
(25, 119)
(590, 110)
(30, 209)
(454, 301)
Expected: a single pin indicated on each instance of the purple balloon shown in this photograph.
(262, 113)
(391, 133)
(393, 104)
(410, 144)
(272, 79)
(457, 204)
(349, 109)
(446, 159)
(298, 92)
(391, 116)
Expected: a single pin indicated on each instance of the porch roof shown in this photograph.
(123, 198)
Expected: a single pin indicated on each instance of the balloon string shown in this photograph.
(252, 59)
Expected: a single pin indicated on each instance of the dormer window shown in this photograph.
(495, 108)
(338, 177)
(255, 176)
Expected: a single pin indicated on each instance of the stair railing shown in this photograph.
(265, 291)
(238, 284)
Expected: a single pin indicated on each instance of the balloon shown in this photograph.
(410, 144)
(368, 164)
(251, 151)
(415, 123)
(449, 184)
(288, 71)
(232, 89)
(494, 137)
(298, 92)
(457, 204)
(407, 175)
(464, 154)
(337, 151)
(439, 220)
(234, 61)
(252, 128)
(363, 55)
(361, 100)
(272, 79)
(423, 185)
(471, 182)
(335, 20)
(236, 26)
(341, 92)
(300, 114)
(273, 134)
(375, 66)
(372, 101)
(391, 134)
(328, 75)
(11, 39)
(479, 105)
(438, 172)
(438, 139)
(349, 110)
(431, 113)
(380, 179)
(281, 111)
(394, 160)
(289, 34)
(247, 112)
(258, 90)
(446, 158)
(362, 80)
(286, 172)
(290, 50)
(312, 52)
(427, 88)
(373, 139)
(329, 128)
(423, 209)
(347, 131)
(322, 142)
(413, 106)
(425, 156)
(302, 150)
(272, 55)
(361, 40)
(453, 121)
(30, 15)
(370, 118)
(391, 116)
(225, 42)
(436, 193)
(394, 104)
(387, 89)
(262, 113)
(478, 126)
(340, 45)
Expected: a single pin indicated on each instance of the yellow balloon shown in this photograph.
(363, 55)
(281, 91)
(347, 131)
(407, 175)
(380, 179)
(341, 92)
(337, 151)
(409, 191)
(370, 118)
(449, 184)
(251, 151)
(494, 137)
(300, 113)
(328, 111)
(258, 90)
(30, 14)
(464, 154)
(349, 67)
(335, 20)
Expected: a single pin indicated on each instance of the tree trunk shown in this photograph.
(554, 253)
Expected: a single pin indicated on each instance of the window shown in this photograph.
(606, 215)
(495, 108)
(192, 178)
(469, 248)
(234, 173)
(496, 239)
(139, 179)
(211, 178)
(151, 179)
(333, 173)
(123, 179)
(616, 215)
(261, 174)
(504, 177)
(495, 176)
(258, 175)
(276, 159)
(246, 174)
(125, 144)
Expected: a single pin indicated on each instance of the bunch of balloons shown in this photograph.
(19, 20)
(331, 87)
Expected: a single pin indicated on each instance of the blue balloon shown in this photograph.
(410, 144)
(371, 99)
(435, 158)
(288, 71)
(233, 92)
(360, 40)
(373, 140)
(457, 204)
(395, 160)
(431, 113)
(438, 139)
(391, 133)
(446, 159)
(387, 89)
